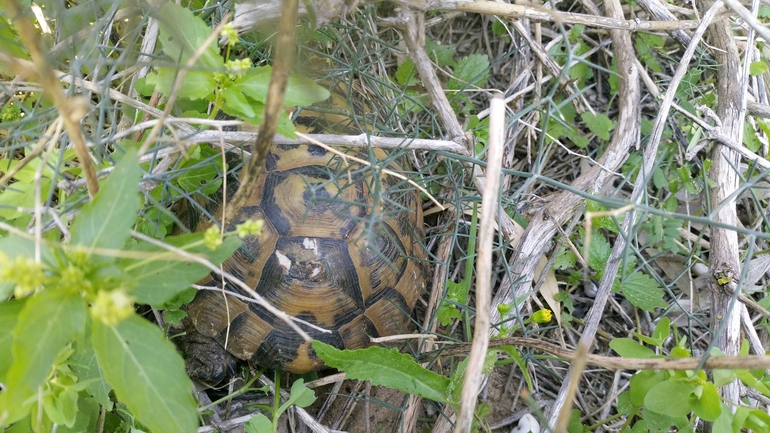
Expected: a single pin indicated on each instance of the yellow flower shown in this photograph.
(212, 238)
(112, 306)
(25, 272)
(542, 316)
(249, 228)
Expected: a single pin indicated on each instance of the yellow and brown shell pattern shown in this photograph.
(340, 249)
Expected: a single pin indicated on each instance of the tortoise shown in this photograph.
(329, 254)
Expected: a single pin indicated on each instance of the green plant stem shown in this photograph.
(276, 400)
(242, 390)
(610, 419)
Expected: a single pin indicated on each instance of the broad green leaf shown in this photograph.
(106, 221)
(750, 138)
(300, 396)
(406, 74)
(87, 416)
(387, 368)
(48, 321)
(599, 124)
(624, 405)
(752, 382)
(182, 34)
(235, 99)
(163, 275)
(20, 194)
(472, 70)
(196, 84)
(757, 68)
(708, 405)
(146, 373)
(85, 364)
(758, 421)
(9, 316)
(204, 178)
(628, 348)
(723, 423)
(641, 383)
(670, 398)
(259, 423)
(299, 91)
(643, 292)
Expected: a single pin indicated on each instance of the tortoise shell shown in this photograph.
(329, 253)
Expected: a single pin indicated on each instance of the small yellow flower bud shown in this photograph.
(212, 238)
(503, 308)
(542, 316)
(231, 34)
(112, 306)
(25, 272)
(249, 228)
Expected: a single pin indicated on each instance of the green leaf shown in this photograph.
(87, 416)
(147, 374)
(750, 139)
(472, 71)
(85, 364)
(662, 330)
(48, 321)
(749, 380)
(442, 55)
(708, 406)
(643, 292)
(106, 221)
(300, 396)
(628, 348)
(196, 84)
(624, 405)
(670, 398)
(21, 194)
(182, 34)
(406, 74)
(163, 275)
(757, 68)
(641, 383)
(600, 252)
(598, 123)
(299, 91)
(9, 316)
(387, 368)
(258, 424)
(237, 101)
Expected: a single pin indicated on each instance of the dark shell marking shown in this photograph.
(312, 261)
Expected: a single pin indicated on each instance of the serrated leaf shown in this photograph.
(48, 321)
(147, 374)
(406, 74)
(196, 85)
(182, 33)
(299, 91)
(162, 275)
(387, 368)
(598, 123)
(670, 398)
(628, 348)
(106, 221)
(442, 55)
(642, 292)
(472, 70)
(600, 252)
